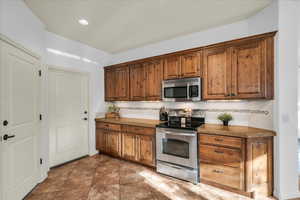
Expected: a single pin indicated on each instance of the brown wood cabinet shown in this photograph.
(132, 143)
(146, 150)
(191, 64)
(216, 73)
(129, 146)
(242, 165)
(137, 82)
(117, 84)
(110, 91)
(172, 67)
(239, 71)
(154, 77)
(183, 66)
(108, 138)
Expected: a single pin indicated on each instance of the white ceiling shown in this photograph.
(119, 25)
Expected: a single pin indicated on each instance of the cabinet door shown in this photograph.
(110, 85)
(154, 77)
(259, 165)
(122, 83)
(100, 140)
(146, 150)
(249, 70)
(137, 82)
(129, 150)
(172, 67)
(217, 73)
(113, 143)
(190, 65)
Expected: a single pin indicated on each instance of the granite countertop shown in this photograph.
(213, 129)
(235, 131)
(131, 121)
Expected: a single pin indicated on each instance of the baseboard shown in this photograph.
(92, 153)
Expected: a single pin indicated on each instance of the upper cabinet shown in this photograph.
(216, 73)
(251, 72)
(117, 84)
(172, 67)
(238, 69)
(154, 77)
(183, 66)
(191, 64)
(110, 89)
(137, 82)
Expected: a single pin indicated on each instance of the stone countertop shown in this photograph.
(213, 129)
(235, 131)
(131, 121)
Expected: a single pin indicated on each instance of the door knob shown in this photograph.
(5, 123)
(6, 137)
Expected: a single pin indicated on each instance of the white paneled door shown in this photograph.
(20, 124)
(68, 115)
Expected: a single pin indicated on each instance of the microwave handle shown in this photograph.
(188, 91)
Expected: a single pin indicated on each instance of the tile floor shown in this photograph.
(104, 178)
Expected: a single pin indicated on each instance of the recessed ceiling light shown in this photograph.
(83, 22)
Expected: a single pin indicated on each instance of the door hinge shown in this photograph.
(40, 72)
(41, 117)
(41, 161)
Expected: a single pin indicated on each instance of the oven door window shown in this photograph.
(175, 92)
(176, 147)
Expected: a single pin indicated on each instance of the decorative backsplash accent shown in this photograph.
(264, 112)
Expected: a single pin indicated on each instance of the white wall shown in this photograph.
(265, 21)
(285, 116)
(19, 24)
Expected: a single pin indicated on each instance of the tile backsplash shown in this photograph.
(255, 113)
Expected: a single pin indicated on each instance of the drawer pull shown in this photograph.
(218, 140)
(218, 171)
(220, 152)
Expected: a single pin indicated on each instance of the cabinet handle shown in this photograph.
(218, 171)
(232, 94)
(218, 140)
(220, 152)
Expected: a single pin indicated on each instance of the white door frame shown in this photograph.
(20, 47)
(90, 100)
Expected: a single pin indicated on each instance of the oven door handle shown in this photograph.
(180, 134)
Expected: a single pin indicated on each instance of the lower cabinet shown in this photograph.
(109, 142)
(242, 165)
(146, 150)
(130, 143)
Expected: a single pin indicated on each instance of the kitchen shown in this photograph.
(97, 103)
(183, 145)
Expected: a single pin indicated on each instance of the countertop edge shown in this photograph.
(212, 129)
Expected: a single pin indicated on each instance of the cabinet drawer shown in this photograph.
(228, 176)
(221, 140)
(139, 130)
(108, 126)
(220, 155)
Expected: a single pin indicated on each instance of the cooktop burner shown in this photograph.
(188, 123)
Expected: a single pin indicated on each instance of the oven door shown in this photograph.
(177, 146)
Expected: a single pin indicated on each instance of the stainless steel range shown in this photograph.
(176, 147)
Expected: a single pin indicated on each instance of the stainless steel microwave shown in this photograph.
(187, 89)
